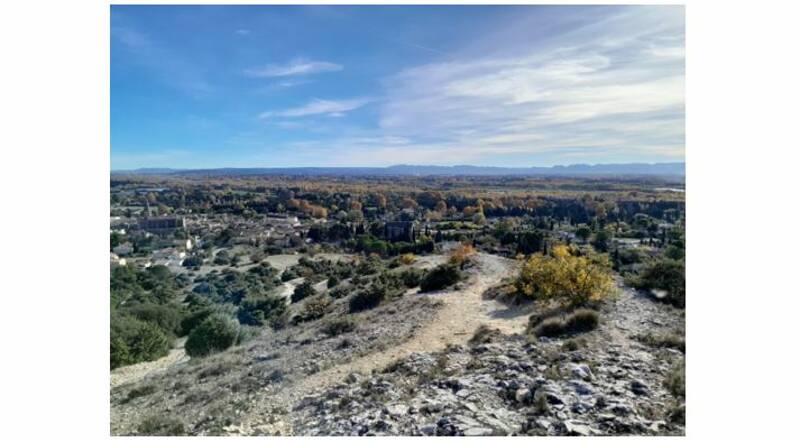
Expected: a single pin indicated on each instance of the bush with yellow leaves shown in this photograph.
(565, 277)
(462, 254)
(407, 258)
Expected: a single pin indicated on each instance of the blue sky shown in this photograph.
(278, 86)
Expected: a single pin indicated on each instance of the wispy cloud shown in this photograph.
(333, 108)
(242, 32)
(283, 84)
(298, 66)
(614, 88)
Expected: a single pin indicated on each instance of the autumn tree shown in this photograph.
(408, 203)
(470, 210)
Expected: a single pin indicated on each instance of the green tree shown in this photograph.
(116, 239)
(134, 340)
(583, 233)
(216, 333)
(303, 291)
(601, 239)
(270, 310)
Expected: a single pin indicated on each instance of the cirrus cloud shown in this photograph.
(334, 108)
(298, 66)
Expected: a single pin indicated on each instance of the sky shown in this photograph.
(299, 86)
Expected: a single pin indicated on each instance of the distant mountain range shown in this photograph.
(660, 169)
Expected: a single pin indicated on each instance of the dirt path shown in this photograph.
(463, 311)
(135, 372)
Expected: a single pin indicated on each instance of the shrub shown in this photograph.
(133, 341)
(193, 319)
(440, 277)
(412, 277)
(338, 326)
(193, 261)
(367, 299)
(462, 255)
(333, 281)
(663, 341)
(407, 259)
(370, 266)
(339, 292)
(168, 317)
(288, 275)
(270, 310)
(303, 291)
(119, 352)
(550, 327)
(214, 334)
(314, 308)
(161, 426)
(628, 256)
(675, 252)
(580, 321)
(575, 279)
(667, 275)
(273, 250)
(222, 258)
(484, 335)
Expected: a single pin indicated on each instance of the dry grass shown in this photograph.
(666, 340)
(579, 321)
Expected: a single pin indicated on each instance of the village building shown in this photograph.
(162, 225)
(168, 257)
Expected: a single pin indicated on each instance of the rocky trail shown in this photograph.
(462, 312)
(605, 382)
(409, 369)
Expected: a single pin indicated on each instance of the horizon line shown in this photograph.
(398, 165)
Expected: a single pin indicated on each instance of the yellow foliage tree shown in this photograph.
(562, 276)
